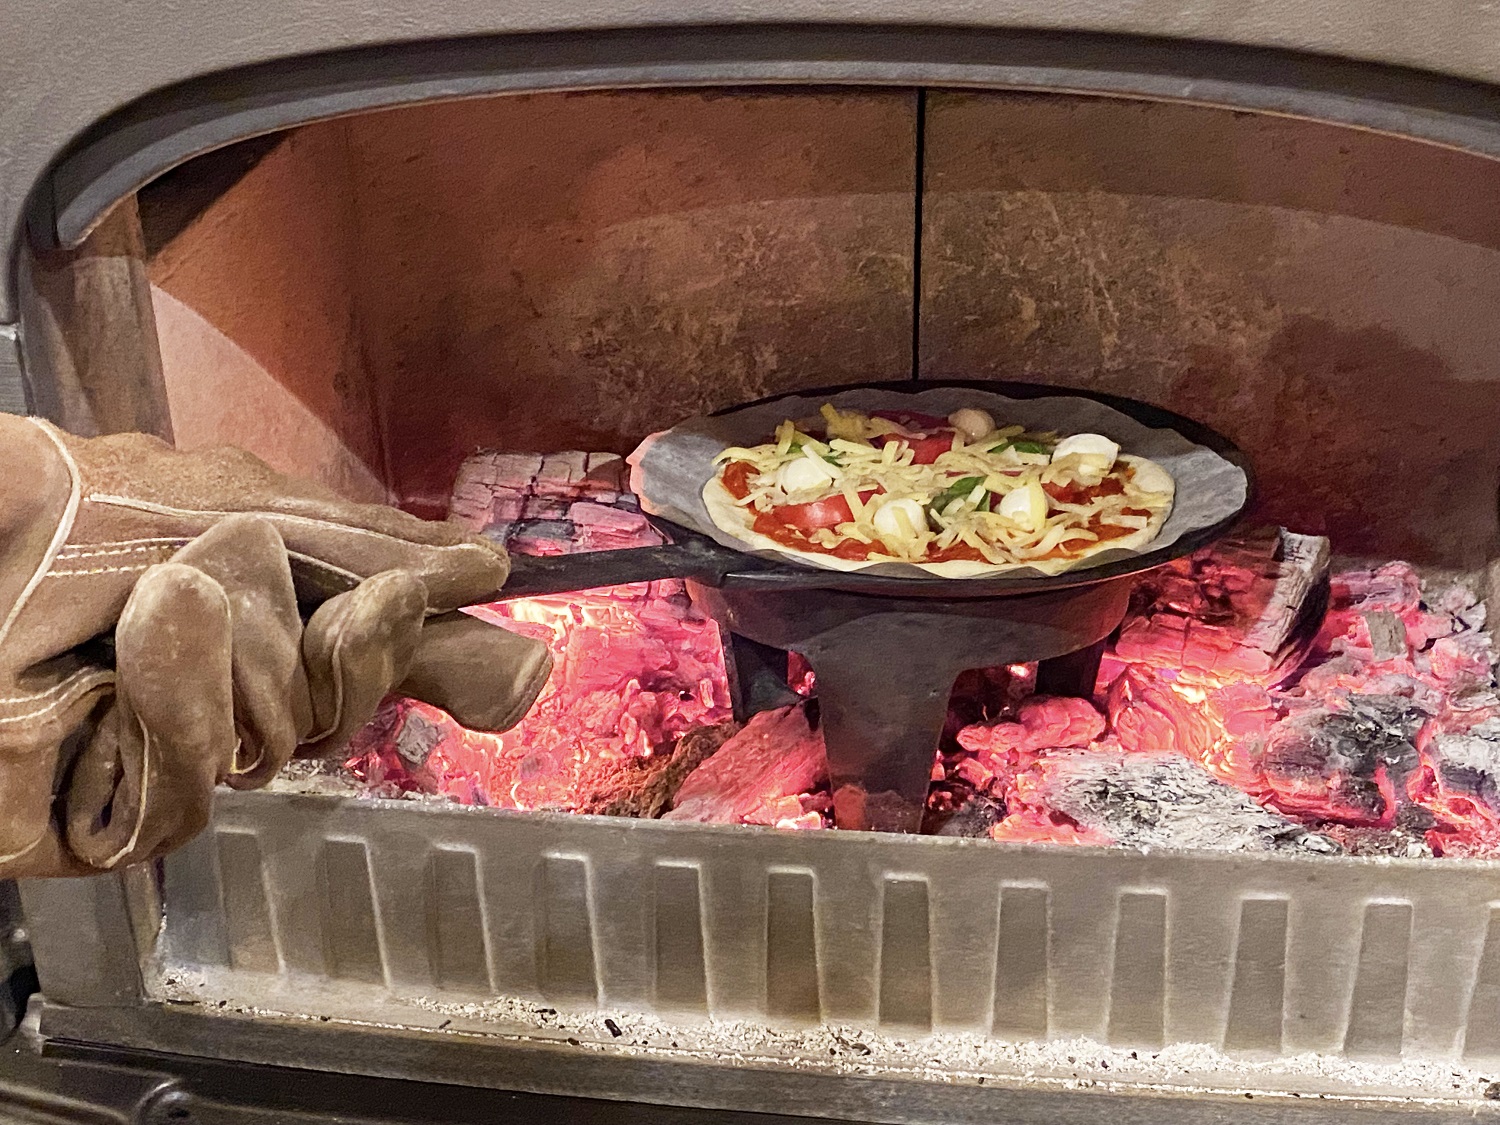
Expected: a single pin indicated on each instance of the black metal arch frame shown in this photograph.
(136, 144)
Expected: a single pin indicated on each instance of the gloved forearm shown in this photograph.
(203, 565)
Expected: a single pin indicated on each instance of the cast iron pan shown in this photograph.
(690, 554)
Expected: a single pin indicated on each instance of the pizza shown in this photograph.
(959, 496)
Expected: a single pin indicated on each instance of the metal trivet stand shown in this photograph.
(886, 651)
(885, 668)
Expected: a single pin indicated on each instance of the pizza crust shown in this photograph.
(737, 520)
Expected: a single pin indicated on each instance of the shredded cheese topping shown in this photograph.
(1068, 499)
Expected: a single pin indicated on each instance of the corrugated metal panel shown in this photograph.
(294, 901)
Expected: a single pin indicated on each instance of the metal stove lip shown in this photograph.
(559, 818)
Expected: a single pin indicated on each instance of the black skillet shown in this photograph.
(690, 554)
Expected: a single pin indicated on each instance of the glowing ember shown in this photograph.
(1036, 826)
(635, 667)
(1387, 720)
(765, 774)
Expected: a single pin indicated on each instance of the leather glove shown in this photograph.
(203, 565)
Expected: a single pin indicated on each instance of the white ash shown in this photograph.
(1387, 634)
(844, 1048)
(1458, 599)
(317, 777)
(965, 1057)
(417, 739)
(1477, 749)
(1474, 617)
(1397, 842)
(1149, 800)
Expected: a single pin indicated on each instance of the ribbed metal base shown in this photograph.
(750, 968)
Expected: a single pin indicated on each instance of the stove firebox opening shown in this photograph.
(475, 309)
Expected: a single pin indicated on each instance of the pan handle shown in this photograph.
(691, 556)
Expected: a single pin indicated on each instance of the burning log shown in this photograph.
(491, 489)
(635, 668)
(582, 494)
(1249, 696)
(1001, 750)
(1379, 623)
(1392, 725)
(1458, 781)
(1149, 713)
(778, 756)
(1244, 609)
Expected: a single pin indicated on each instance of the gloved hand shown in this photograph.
(198, 563)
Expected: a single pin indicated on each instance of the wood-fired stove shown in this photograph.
(363, 243)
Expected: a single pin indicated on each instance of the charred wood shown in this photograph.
(646, 787)
(777, 755)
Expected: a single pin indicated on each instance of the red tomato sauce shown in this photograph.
(1079, 494)
(958, 552)
(1104, 531)
(736, 478)
(773, 526)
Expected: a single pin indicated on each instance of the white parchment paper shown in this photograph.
(669, 470)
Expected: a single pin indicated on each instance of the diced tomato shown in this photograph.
(924, 450)
(930, 438)
(820, 513)
(736, 478)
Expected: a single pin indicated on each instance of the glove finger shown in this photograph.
(144, 782)
(30, 770)
(356, 648)
(142, 488)
(328, 558)
(245, 556)
(484, 676)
